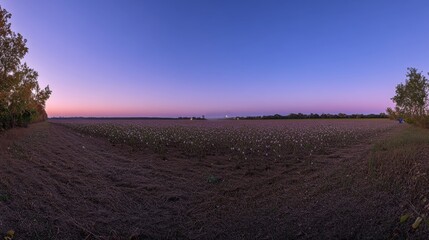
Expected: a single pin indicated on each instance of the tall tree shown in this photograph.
(21, 99)
(412, 97)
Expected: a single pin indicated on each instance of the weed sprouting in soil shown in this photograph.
(4, 197)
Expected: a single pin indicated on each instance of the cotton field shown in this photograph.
(265, 140)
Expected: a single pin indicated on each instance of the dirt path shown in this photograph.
(59, 184)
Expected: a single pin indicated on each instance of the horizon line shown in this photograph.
(227, 116)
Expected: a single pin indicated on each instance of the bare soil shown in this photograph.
(56, 183)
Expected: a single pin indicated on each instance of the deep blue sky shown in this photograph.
(173, 58)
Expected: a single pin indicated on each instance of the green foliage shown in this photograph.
(391, 113)
(411, 98)
(21, 99)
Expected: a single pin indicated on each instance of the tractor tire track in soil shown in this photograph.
(60, 184)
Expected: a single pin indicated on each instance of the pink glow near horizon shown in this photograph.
(137, 110)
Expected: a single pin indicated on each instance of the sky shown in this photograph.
(169, 58)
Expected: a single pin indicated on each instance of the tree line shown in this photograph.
(411, 99)
(22, 101)
(316, 116)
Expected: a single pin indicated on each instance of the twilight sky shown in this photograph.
(183, 58)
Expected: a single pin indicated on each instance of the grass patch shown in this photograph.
(407, 139)
(400, 162)
(400, 165)
(402, 154)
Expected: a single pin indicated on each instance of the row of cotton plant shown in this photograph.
(237, 142)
